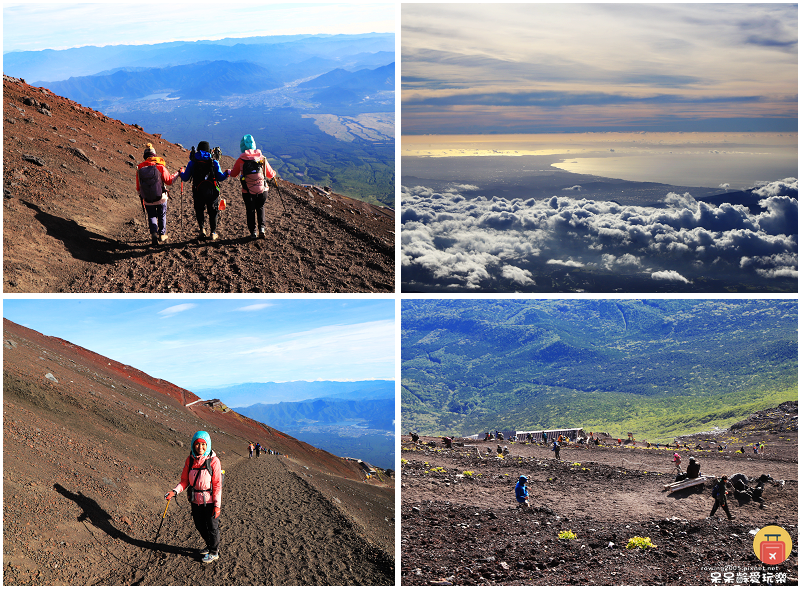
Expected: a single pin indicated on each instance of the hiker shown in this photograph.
(719, 493)
(676, 458)
(544, 437)
(202, 478)
(521, 491)
(448, 442)
(414, 437)
(693, 469)
(152, 177)
(205, 174)
(258, 449)
(255, 171)
(251, 448)
(557, 449)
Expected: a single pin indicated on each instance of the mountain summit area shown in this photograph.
(90, 447)
(73, 222)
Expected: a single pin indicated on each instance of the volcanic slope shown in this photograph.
(90, 447)
(72, 221)
(461, 524)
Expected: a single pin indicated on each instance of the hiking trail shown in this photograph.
(275, 530)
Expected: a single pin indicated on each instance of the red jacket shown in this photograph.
(165, 175)
(196, 475)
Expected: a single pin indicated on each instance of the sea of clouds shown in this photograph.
(472, 241)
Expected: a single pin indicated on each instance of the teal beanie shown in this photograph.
(205, 436)
(247, 143)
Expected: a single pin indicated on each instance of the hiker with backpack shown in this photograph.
(720, 493)
(152, 179)
(255, 171)
(202, 478)
(205, 173)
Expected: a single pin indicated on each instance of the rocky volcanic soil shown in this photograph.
(90, 447)
(73, 222)
(461, 524)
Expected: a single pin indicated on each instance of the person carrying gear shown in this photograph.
(720, 493)
(255, 171)
(557, 449)
(676, 458)
(152, 179)
(205, 173)
(202, 478)
(521, 491)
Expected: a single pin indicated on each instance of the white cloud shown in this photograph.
(255, 307)
(175, 309)
(471, 243)
(669, 275)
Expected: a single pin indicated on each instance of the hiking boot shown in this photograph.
(154, 238)
(254, 234)
(203, 233)
(210, 557)
(262, 232)
(163, 238)
(214, 236)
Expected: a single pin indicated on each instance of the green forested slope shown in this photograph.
(656, 367)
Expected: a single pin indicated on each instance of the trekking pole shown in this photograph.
(280, 195)
(162, 521)
(182, 236)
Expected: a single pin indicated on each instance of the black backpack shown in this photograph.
(151, 183)
(204, 184)
(717, 489)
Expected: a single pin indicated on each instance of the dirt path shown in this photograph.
(276, 530)
(304, 251)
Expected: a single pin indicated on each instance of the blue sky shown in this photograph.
(201, 343)
(532, 68)
(30, 26)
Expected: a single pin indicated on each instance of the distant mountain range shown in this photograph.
(353, 419)
(290, 57)
(248, 394)
(658, 367)
(321, 107)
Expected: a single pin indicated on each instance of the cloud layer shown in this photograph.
(477, 243)
(527, 68)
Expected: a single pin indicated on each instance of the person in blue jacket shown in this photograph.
(521, 491)
(205, 173)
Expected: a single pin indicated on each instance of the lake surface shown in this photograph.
(731, 161)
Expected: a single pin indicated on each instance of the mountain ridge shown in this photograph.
(84, 432)
(73, 222)
(659, 366)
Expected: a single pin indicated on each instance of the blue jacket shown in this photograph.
(199, 156)
(521, 491)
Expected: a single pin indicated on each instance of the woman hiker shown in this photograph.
(205, 492)
(255, 171)
(152, 179)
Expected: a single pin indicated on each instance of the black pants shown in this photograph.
(203, 204)
(717, 504)
(207, 525)
(254, 205)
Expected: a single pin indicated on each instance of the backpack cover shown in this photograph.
(253, 181)
(207, 466)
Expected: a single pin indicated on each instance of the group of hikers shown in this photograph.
(258, 448)
(203, 169)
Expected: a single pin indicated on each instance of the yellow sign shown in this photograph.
(772, 545)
